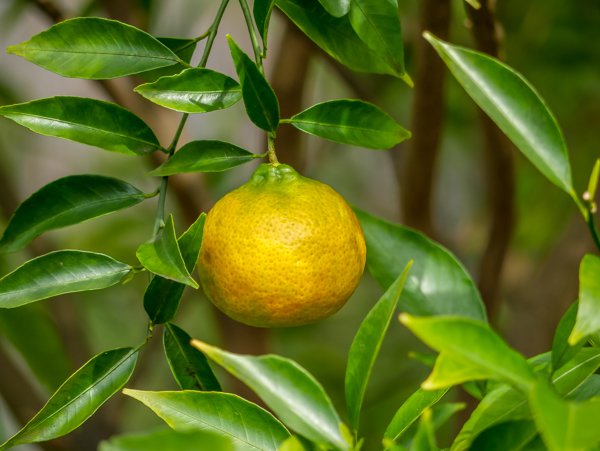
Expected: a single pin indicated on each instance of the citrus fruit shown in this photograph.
(281, 250)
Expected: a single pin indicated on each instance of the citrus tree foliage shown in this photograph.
(551, 401)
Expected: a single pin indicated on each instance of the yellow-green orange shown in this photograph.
(281, 250)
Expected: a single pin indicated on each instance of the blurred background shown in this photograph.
(458, 180)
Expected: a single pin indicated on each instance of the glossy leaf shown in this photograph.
(351, 122)
(79, 397)
(249, 426)
(588, 313)
(514, 105)
(565, 425)
(189, 366)
(299, 400)
(411, 410)
(162, 297)
(259, 98)
(366, 345)
(88, 121)
(95, 48)
(438, 284)
(261, 10)
(510, 435)
(193, 91)
(169, 440)
(205, 156)
(474, 343)
(162, 256)
(64, 202)
(58, 273)
(334, 35)
(562, 351)
(337, 8)
(183, 48)
(377, 23)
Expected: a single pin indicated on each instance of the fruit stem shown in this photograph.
(271, 149)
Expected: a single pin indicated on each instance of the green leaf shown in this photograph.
(438, 283)
(249, 426)
(193, 91)
(79, 397)
(162, 297)
(182, 47)
(58, 273)
(510, 435)
(590, 388)
(289, 391)
(366, 345)
(64, 202)
(205, 156)
(377, 23)
(593, 181)
(292, 443)
(261, 10)
(576, 371)
(588, 313)
(565, 425)
(169, 440)
(337, 8)
(259, 98)
(562, 351)
(514, 105)
(334, 35)
(424, 439)
(88, 121)
(411, 410)
(162, 256)
(351, 122)
(473, 343)
(95, 48)
(448, 372)
(33, 332)
(189, 366)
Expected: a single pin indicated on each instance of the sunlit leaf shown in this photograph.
(588, 313)
(169, 440)
(562, 351)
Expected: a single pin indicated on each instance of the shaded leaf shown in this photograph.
(88, 121)
(514, 105)
(79, 397)
(366, 345)
(562, 351)
(64, 202)
(351, 122)
(510, 435)
(261, 10)
(588, 313)
(189, 366)
(182, 47)
(205, 156)
(576, 371)
(299, 400)
(424, 439)
(162, 256)
(259, 98)
(336, 8)
(438, 284)
(249, 426)
(95, 48)
(168, 440)
(57, 273)
(196, 90)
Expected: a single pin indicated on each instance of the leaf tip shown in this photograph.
(429, 385)
(200, 345)
(404, 318)
(14, 49)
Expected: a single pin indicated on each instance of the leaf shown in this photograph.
(588, 314)
(351, 122)
(88, 121)
(565, 425)
(58, 273)
(448, 372)
(514, 105)
(590, 388)
(366, 345)
(510, 435)
(438, 283)
(66, 201)
(424, 439)
(291, 444)
(249, 426)
(162, 297)
(261, 11)
(189, 366)
(193, 91)
(334, 35)
(288, 390)
(182, 47)
(260, 100)
(411, 410)
(377, 23)
(162, 256)
(168, 440)
(79, 397)
(95, 48)
(472, 342)
(205, 156)
(562, 351)
(336, 8)
(576, 371)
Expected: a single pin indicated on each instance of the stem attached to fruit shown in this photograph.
(271, 152)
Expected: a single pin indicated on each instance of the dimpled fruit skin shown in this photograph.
(281, 250)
